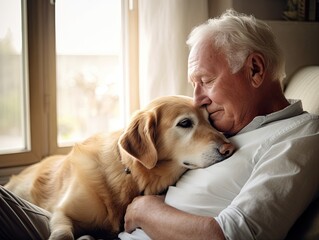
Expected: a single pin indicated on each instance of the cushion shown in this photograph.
(304, 85)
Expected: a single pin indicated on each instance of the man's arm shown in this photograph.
(161, 221)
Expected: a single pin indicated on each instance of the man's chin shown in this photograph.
(214, 125)
(221, 129)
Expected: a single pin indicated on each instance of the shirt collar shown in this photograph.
(294, 109)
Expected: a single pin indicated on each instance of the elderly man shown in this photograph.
(236, 66)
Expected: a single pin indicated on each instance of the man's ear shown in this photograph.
(256, 66)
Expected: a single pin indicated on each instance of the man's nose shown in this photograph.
(200, 97)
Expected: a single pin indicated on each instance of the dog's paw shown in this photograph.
(61, 235)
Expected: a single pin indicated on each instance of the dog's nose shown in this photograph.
(226, 149)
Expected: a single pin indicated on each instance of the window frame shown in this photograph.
(34, 87)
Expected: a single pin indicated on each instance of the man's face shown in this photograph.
(226, 96)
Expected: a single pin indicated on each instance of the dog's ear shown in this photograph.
(138, 140)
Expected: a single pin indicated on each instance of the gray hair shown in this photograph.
(238, 35)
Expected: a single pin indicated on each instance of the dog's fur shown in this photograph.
(91, 187)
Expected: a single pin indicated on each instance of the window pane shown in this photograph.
(13, 105)
(89, 80)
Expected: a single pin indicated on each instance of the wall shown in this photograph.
(299, 41)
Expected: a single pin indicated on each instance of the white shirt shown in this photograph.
(260, 191)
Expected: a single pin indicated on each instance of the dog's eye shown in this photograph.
(185, 123)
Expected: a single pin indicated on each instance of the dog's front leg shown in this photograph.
(61, 226)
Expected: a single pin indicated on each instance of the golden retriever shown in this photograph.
(90, 188)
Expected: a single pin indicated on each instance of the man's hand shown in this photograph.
(161, 221)
(140, 206)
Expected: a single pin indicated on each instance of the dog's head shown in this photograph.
(172, 129)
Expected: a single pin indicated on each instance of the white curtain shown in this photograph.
(163, 29)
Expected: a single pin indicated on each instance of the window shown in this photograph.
(64, 82)
(14, 132)
(89, 68)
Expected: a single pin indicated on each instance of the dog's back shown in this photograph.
(33, 183)
(87, 185)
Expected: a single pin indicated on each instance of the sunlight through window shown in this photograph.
(89, 66)
(14, 121)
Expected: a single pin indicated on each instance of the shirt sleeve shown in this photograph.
(283, 183)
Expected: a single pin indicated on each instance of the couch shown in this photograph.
(304, 85)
